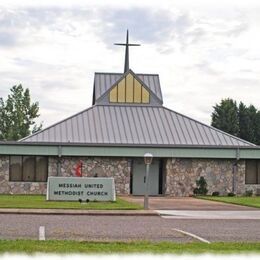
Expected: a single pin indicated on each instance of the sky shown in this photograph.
(203, 51)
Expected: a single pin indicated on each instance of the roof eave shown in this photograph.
(129, 145)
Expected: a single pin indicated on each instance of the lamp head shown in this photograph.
(148, 158)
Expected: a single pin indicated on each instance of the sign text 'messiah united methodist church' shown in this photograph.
(108, 139)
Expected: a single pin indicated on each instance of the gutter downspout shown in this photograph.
(59, 160)
(234, 177)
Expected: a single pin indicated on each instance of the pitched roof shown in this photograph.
(134, 125)
(104, 81)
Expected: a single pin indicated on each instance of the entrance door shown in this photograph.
(139, 169)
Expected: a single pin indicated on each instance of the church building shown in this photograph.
(109, 139)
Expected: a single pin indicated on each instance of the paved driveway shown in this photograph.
(186, 203)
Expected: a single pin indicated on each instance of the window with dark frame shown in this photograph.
(28, 168)
(15, 168)
(41, 168)
(252, 172)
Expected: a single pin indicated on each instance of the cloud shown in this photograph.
(205, 67)
(202, 55)
(7, 39)
(145, 25)
(22, 26)
(239, 82)
(169, 30)
(28, 17)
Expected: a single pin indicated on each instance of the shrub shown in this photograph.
(196, 191)
(215, 193)
(249, 193)
(201, 188)
(231, 194)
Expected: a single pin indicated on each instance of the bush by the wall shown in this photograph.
(201, 188)
(249, 193)
(215, 193)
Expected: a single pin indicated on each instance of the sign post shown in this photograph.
(148, 158)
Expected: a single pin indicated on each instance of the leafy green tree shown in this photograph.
(225, 116)
(17, 114)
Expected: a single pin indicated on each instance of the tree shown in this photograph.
(252, 126)
(249, 123)
(17, 114)
(244, 122)
(258, 127)
(241, 121)
(225, 117)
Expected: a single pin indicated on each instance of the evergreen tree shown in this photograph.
(244, 122)
(257, 132)
(252, 127)
(225, 117)
(17, 114)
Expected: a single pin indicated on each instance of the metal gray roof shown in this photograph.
(104, 81)
(134, 125)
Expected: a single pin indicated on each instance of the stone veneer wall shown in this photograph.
(116, 167)
(180, 179)
(119, 168)
(181, 176)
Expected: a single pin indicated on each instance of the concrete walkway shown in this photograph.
(211, 214)
(187, 203)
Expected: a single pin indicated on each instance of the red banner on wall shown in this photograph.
(78, 169)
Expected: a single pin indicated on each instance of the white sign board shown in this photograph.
(84, 188)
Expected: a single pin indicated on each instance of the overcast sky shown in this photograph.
(202, 52)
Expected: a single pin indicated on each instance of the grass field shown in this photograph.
(65, 247)
(39, 202)
(245, 201)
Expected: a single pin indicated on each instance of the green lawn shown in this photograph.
(65, 247)
(39, 202)
(245, 201)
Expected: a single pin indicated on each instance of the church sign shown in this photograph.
(81, 188)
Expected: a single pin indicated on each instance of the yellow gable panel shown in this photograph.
(113, 94)
(129, 88)
(137, 92)
(145, 96)
(121, 91)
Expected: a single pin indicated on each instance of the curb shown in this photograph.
(80, 212)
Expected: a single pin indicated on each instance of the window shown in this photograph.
(41, 168)
(252, 172)
(28, 168)
(129, 90)
(15, 168)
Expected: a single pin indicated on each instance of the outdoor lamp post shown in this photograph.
(148, 157)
